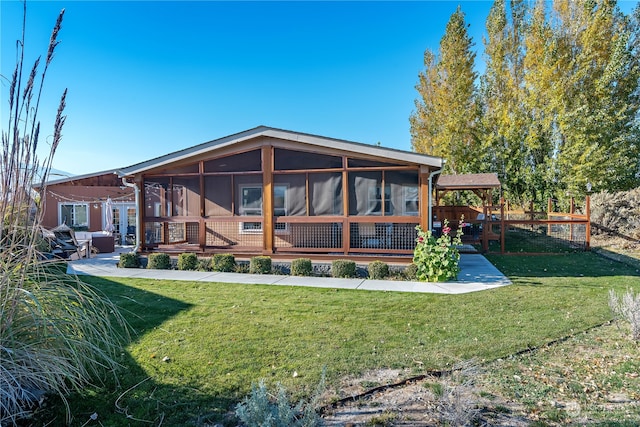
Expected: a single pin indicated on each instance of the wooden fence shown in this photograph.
(499, 229)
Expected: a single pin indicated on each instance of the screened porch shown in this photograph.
(272, 199)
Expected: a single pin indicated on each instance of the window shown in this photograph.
(375, 199)
(280, 205)
(74, 215)
(411, 200)
(251, 205)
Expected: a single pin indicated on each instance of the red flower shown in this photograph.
(420, 239)
(446, 230)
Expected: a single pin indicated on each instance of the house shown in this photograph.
(277, 192)
(81, 203)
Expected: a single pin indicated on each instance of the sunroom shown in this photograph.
(270, 191)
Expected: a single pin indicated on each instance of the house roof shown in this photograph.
(72, 178)
(302, 138)
(472, 181)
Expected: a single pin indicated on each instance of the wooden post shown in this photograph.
(202, 234)
(267, 199)
(587, 212)
(531, 211)
(549, 211)
(424, 202)
(140, 213)
(485, 231)
(502, 229)
(572, 210)
(346, 226)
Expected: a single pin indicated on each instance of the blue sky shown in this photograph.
(151, 77)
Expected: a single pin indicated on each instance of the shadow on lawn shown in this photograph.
(131, 394)
(575, 265)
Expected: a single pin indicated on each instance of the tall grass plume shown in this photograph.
(56, 333)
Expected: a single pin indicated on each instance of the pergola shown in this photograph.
(480, 184)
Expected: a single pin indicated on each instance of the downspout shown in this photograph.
(137, 198)
(430, 202)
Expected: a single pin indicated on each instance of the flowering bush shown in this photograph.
(437, 260)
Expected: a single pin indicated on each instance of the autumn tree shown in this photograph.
(446, 117)
(504, 117)
(559, 99)
(597, 96)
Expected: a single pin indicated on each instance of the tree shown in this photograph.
(504, 117)
(559, 99)
(597, 118)
(446, 118)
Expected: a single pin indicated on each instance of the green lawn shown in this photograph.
(220, 338)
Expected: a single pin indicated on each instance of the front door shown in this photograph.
(124, 223)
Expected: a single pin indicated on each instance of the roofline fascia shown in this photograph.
(319, 141)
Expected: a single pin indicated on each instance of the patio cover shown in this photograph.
(480, 183)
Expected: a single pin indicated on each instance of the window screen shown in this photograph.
(156, 197)
(244, 162)
(186, 196)
(403, 192)
(290, 188)
(218, 193)
(366, 194)
(364, 163)
(302, 160)
(325, 194)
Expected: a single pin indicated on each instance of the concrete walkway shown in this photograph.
(477, 274)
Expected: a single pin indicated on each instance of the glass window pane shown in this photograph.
(251, 201)
(81, 216)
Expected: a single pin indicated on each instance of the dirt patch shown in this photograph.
(590, 378)
(451, 399)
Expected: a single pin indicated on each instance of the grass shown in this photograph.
(532, 241)
(221, 338)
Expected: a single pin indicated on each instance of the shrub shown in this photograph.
(456, 405)
(410, 272)
(617, 213)
(437, 260)
(627, 307)
(262, 408)
(129, 260)
(188, 261)
(224, 262)
(242, 267)
(260, 265)
(204, 264)
(378, 270)
(159, 261)
(301, 267)
(343, 268)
